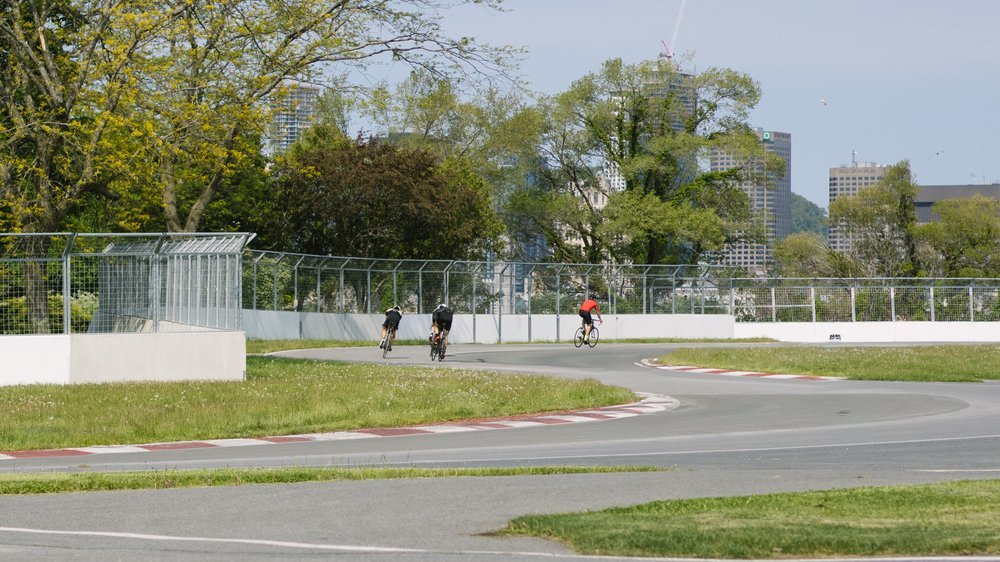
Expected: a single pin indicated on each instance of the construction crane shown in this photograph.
(669, 50)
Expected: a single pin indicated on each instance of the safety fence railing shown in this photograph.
(63, 283)
(284, 281)
(309, 283)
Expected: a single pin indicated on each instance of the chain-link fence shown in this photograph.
(297, 282)
(62, 283)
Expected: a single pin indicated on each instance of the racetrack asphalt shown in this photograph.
(727, 436)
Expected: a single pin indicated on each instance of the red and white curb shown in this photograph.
(651, 403)
(728, 373)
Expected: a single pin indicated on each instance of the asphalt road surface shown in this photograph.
(727, 436)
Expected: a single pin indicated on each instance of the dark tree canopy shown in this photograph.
(375, 199)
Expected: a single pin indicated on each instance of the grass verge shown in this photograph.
(281, 397)
(959, 518)
(937, 363)
(50, 483)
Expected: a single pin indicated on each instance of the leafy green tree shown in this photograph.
(643, 121)
(376, 199)
(806, 254)
(492, 129)
(881, 221)
(964, 241)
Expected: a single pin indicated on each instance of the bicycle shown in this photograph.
(386, 343)
(595, 334)
(438, 347)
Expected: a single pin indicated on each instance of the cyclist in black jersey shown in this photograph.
(390, 326)
(441, 322)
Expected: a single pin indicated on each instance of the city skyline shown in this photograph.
(875, 81)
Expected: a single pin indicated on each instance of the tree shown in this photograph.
(881, 221)
(94, 92)
(223, 58)
(103, 97)
(371, 198)
(965, 241)
(493, 130)
(653, 124)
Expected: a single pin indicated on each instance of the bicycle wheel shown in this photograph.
(578, 338)
(385, 346)
(434, 349)
(441, 348)
(594, 335)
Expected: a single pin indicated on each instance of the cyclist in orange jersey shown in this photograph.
(588, 308)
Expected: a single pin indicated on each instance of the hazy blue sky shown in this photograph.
(903, 79)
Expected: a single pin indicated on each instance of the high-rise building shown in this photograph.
(771, 199)
(846, 181)
(293, 106)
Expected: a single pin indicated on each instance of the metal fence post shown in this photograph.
(812, 302)
(500, 304)
(854, 316)
(558, 300)
(343, 300)
(395, 293)
(67, 273)
(892, 303)
(930, 294)
(474, 274)
(275, 286)
(972, 308)
(774, 306)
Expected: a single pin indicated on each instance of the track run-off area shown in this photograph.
(714, 435)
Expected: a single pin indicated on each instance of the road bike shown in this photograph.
(386, 343)
(595, 334)
(438, 347)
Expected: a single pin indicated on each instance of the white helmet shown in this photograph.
(440, 306)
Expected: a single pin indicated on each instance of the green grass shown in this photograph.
(939, 363)
(49, 483)
(280, 397)
(952, 519)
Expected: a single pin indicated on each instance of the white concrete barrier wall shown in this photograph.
(94, 358)
(482, 328)
(39, 359)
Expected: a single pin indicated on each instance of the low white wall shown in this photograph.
(485, 328)
(482, 328)
(872, 331)
(93, 358)
(39, 359)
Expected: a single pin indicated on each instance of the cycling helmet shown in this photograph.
(440, 306)
(396, 307)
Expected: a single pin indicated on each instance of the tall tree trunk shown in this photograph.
(36, 294)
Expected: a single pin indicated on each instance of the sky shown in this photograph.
(915, 80)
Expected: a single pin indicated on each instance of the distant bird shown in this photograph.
(938, 153)
(822, 101)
